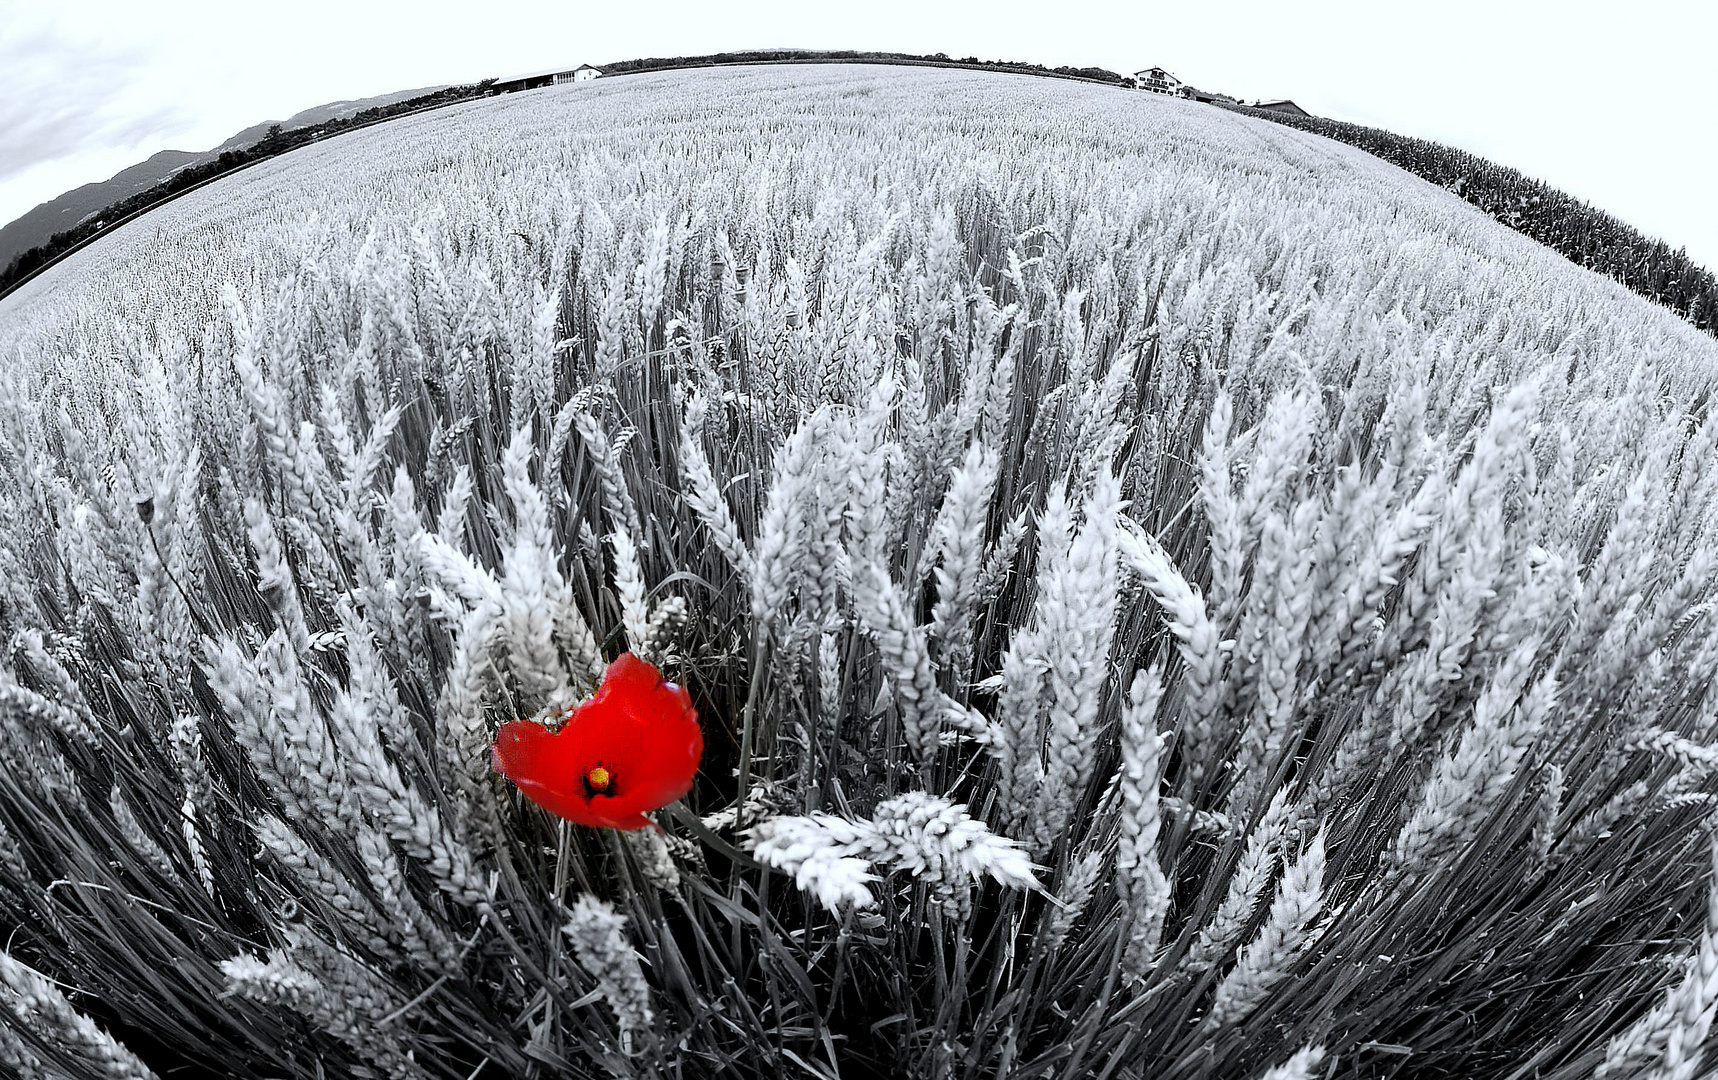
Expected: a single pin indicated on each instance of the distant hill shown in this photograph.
(57, 215)
(37, 226)
(334, 110)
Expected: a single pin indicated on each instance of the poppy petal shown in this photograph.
(633, 746)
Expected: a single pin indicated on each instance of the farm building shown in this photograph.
(524, 82)
(1284, 106)
(582, 73)
(1208, 96)
(551, 77)
(1157, 80)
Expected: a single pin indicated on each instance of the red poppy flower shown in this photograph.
(634, 746)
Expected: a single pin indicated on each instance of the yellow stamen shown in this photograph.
(598, 778)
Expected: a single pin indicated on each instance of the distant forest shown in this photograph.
(1580, 232)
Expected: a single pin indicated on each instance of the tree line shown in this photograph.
(798, 56)
(1575, 229)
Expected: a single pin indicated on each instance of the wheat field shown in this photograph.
(1165, 596)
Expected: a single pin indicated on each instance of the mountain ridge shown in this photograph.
(38, 225)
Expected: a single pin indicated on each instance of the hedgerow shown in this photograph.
(1583, 233)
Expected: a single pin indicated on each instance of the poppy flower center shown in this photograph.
(598, 781)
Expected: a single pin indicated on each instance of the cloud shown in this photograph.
(60, 96)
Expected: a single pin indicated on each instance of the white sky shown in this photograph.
(1615, 102)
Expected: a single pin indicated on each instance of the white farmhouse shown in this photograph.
(1157, 80)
